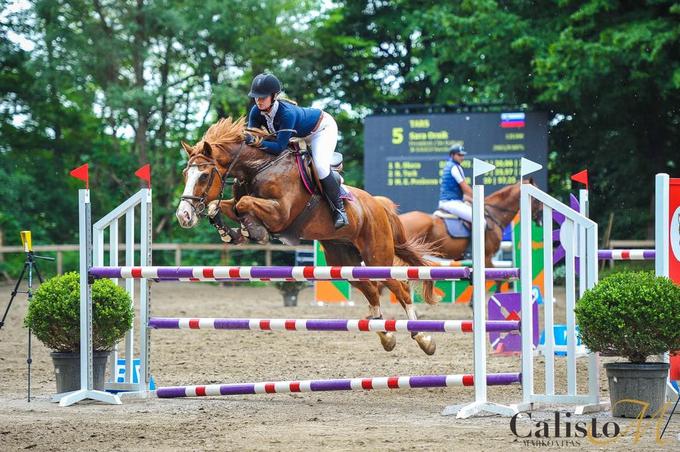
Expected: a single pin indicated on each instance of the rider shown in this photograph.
(453, 189)
(317, 127)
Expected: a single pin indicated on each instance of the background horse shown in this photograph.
(499, 210)
(271, 196)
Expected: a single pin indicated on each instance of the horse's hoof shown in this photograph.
(213, 208)
(232, 236)
(245, 233)
(238, 237)
(426, 343)
(259, 235)
(388, 341)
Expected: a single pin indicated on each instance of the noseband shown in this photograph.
(198, 203)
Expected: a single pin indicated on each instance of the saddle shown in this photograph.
(307, 170)
(455, 226)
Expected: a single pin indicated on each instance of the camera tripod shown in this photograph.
(30, 265)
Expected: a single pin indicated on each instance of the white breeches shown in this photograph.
(457, 207)
(323, 142)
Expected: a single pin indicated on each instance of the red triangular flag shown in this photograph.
(144, 173)
(582, 177)
(82, 173)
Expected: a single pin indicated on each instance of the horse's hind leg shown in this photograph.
(377, 252)
(340, 254)
(401, 290)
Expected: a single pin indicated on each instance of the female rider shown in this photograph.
(285, 119)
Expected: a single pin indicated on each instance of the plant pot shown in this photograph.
(67, 370)
(644, 383)
(290, 299)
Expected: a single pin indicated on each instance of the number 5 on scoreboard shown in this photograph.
(397, 135)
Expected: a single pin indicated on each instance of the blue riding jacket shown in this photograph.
(288, 116)
(449, 188)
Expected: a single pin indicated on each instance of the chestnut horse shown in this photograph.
(272, 195)
(499, 210)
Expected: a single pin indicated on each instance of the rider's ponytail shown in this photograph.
(283, 98)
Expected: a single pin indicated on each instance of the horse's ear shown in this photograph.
(186, 147)
(207, 149)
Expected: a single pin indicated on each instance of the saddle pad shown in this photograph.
(456, 228)
(444, 214)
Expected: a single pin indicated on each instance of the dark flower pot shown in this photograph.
(67, 370)
(641, 382)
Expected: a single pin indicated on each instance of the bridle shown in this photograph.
(198, 203)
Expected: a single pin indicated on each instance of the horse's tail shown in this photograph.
(412, 250)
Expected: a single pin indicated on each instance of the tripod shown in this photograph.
(29, 266)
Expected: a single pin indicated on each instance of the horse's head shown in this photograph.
(204, 178)
(209, 163)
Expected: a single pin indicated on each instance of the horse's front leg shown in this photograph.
(215, 210)
(225, 206)
(255, 213)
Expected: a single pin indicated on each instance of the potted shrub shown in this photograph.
(289, 290)
(633, 315)
(54, 317)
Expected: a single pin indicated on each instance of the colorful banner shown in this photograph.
(329, 291)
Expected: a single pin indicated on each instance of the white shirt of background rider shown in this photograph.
(457, 206)
(457, 173)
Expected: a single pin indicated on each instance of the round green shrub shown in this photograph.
(631, 314)
(54, 313)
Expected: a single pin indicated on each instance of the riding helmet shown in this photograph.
(264, 85)
(457, 149)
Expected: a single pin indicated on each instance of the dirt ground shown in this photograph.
(373, 420)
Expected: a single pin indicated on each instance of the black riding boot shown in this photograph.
(331, 188)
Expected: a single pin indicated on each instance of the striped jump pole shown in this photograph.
(296, 273)
(376, 325)
(627, 255)
(347, 384)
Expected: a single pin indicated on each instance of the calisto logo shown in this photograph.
(561, 427)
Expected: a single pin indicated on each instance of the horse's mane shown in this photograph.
(226, 130)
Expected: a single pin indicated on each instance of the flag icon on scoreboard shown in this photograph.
(512, 120)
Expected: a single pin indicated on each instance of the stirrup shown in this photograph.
(340, 219)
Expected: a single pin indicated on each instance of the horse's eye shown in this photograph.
(203, 177)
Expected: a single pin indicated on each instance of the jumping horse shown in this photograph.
(270, 196)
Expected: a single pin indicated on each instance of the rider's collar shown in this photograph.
(269, 115)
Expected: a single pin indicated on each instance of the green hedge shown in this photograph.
(631, 314)
(54, 313)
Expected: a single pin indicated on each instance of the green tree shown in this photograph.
(118, 83)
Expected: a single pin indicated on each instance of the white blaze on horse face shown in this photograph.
(186, 214)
